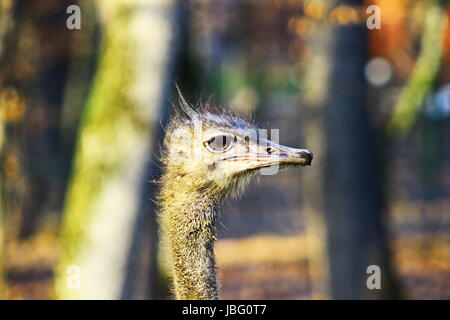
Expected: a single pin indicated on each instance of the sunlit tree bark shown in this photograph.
(315, 78)
(8, 31)
(114, 145)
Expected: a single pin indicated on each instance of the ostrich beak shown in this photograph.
(288, 156)
(271, 153)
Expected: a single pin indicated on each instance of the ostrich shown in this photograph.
(207, 154)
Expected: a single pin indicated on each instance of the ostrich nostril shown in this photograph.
(269, 150)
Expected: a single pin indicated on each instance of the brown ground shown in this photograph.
(423, 263)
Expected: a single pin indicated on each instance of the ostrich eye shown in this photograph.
(219, 143)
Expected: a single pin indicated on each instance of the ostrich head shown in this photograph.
(218, 150)
(207, 154)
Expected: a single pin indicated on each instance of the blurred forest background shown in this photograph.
(81, 118)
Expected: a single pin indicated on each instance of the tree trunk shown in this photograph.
(354, 202)
(344, 200)
(114, 147)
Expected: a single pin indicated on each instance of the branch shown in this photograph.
(425, 71)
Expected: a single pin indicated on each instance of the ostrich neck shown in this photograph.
(189, 221)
